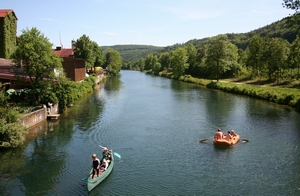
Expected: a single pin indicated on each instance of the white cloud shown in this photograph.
(110, 33)
(51, 19)
(85, 26)
(193, 13)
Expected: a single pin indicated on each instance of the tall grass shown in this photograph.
(279, 95)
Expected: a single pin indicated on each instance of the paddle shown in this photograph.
(85, 177)
(204, 139)
(115, 153)
(244, 139)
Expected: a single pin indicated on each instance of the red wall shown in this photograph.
(74, 68)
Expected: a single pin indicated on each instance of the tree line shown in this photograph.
(271, 58)
(270, 52)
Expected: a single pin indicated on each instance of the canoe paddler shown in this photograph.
(106, 157)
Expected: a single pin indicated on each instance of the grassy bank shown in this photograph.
(281, 94)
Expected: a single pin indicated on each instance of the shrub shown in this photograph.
(12, 134)
(295, 103)
(288, 99)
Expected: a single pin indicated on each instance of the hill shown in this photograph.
(281, 29)
(134, 52)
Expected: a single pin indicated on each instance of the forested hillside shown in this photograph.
(241, 40)
(280, 29)
(133, 52)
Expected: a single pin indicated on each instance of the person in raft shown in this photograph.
(106, 157)
(232, 133)
(95, 165)
(229, 135)
(219, 135)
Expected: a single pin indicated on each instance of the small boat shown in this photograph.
(92, 183)
(226, 141)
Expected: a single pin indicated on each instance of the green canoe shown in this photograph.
(92, 183)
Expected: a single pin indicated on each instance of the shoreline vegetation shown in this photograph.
(286, 93)
(13, 133)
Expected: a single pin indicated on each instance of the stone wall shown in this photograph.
(34, 118)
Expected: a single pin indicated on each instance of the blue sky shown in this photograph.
(146, 22)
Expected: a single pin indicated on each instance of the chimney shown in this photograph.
(73, 44)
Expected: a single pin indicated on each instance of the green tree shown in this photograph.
(99, 55)
(242, 57)
(85, 49)
(38, 61)
(164, 60)
(141, 64)
(200, 60)
(149, 62)
(157, 67)
(113, 61)
(294, 57)
(221, 55)
(234, 68)
(275, 56)
(154, 62)
(192, 57)
(292, 4)
(179, 61)
(255, 52)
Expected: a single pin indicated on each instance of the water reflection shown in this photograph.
(113, 84)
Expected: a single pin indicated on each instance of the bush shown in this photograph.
(295, 103)
(67, 92)
(11, 134)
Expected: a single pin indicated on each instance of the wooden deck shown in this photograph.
(53, 116)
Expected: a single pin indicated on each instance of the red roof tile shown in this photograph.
(8, 11)
(9, 76)
(12, 76)
(64, 52)
(6, 62)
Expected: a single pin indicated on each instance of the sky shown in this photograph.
(143, 22)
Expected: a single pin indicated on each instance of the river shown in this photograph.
(155, 124)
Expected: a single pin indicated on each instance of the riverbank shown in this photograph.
(100, 78)
(25, 122)
(283, 94)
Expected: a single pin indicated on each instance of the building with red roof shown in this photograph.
(8, 42)
(7, 74)
(74, 67)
